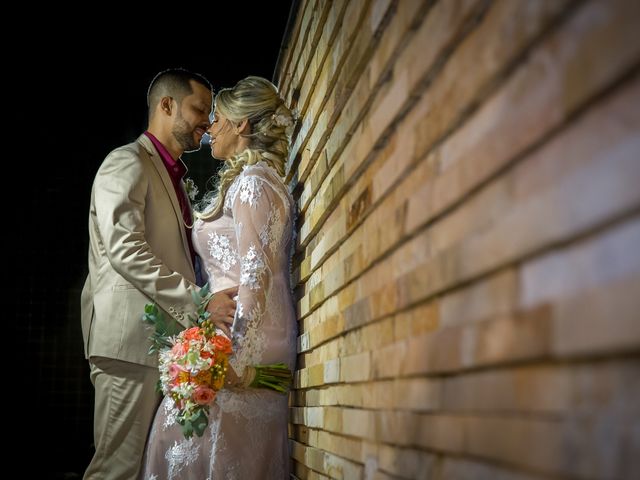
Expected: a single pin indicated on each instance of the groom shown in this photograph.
(140, 251)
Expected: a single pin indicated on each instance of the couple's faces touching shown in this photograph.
(192, 117)
(191, 122)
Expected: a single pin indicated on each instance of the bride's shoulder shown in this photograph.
(246, 185)
(260, 169)
(259, 174)
(253, 180)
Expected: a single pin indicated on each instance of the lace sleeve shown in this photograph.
(259, 215)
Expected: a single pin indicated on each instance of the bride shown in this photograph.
(244, 236)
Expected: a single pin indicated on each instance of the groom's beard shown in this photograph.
(183, 133)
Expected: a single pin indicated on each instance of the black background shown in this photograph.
(75, 90)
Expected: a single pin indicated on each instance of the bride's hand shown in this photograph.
(222, 308)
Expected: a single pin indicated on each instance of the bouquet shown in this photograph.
(193, 364)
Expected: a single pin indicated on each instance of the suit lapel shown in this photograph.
(156, 161)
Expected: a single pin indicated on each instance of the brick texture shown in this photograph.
(467, 268)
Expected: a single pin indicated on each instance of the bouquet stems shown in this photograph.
(275, 376)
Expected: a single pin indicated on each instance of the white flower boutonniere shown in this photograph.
(191, 188)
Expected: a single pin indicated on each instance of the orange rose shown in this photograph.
(222, 344)
(192, 333)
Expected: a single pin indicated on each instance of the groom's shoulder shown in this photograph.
(130, 149)
(134, 152)
(130, 157)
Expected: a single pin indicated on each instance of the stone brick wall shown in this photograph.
(468, 260)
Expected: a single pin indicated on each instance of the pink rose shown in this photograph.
(179, 349)
(203, 395)
(175, 370)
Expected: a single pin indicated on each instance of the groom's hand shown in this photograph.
(222, 308)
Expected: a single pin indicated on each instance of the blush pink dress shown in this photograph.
(248, 245)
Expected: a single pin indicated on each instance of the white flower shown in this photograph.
(191, 188)
(282, 120)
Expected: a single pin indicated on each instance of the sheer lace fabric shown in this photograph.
(248, 245)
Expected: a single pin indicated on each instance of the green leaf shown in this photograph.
(187, 428)
(199, 422)
(196, 297)
(161, 325)
(151, 309)
(192, 320)
(174, 328)
(163, 328)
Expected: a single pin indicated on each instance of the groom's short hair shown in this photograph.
(173, 82)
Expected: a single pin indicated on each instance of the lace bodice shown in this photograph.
(249, 245)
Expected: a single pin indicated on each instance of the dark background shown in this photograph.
(75, 94)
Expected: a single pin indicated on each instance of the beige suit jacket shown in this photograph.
(138, 253)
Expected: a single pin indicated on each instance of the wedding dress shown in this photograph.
(247, 245)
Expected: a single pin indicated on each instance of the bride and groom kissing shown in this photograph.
(148, 245)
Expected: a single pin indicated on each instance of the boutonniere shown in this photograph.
(191, 188)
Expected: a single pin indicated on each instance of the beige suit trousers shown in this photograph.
(126, 404)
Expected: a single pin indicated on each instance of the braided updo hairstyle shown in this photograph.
(257, 100)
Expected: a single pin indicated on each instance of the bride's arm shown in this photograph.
(259, 214)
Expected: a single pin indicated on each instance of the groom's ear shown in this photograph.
(166, 103)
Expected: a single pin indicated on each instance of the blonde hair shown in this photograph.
(257, 100)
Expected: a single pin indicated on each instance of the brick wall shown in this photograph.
(468, 259)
